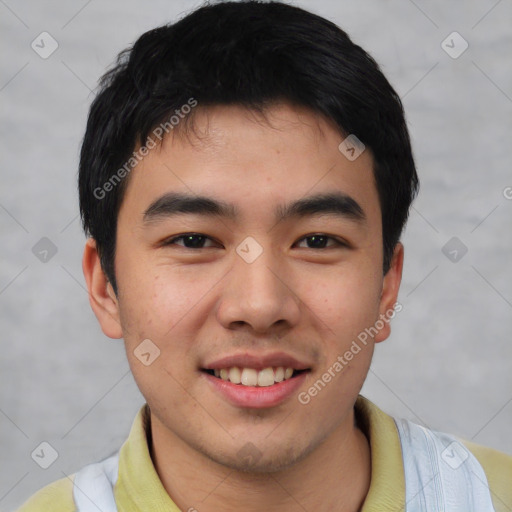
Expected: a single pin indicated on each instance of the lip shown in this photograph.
(257, 361)
(255, 397)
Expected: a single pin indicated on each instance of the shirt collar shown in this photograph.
(387, 485)
(139, 488)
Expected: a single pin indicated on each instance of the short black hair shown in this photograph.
(248, 53)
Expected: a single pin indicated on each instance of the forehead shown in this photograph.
(250, 161)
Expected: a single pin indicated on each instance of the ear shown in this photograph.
(102, 298)
(389, 295)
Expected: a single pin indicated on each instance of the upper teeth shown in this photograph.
(252, 377)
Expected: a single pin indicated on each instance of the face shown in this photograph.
(276, 271)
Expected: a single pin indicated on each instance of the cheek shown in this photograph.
(166, 305)
(346, 301)
(153, 309)
(143, 305)
(152, 300)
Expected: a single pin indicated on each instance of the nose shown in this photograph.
(259, 296)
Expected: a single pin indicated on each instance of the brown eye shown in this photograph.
(190, 241)
(320, 241)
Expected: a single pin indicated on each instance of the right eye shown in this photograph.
(190, 241)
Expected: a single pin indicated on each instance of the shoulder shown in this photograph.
(498, 469)
(55, 497)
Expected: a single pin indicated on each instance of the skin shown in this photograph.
(199, 304)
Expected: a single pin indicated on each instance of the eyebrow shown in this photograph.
(174, 203)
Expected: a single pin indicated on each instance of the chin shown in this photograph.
(251, 460)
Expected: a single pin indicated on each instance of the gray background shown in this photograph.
(447, 363)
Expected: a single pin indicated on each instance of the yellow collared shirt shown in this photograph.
(139, 489)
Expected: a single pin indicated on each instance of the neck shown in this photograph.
(335, 476)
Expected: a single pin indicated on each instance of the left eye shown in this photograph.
(319, 241)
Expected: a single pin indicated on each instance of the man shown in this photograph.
(245, 177)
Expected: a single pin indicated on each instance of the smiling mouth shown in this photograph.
(255, 378)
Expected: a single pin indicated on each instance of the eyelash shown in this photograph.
(172, 241)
